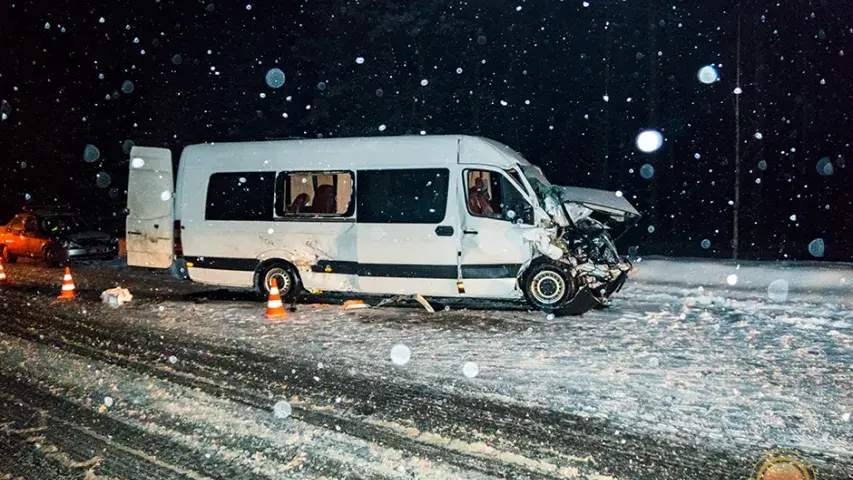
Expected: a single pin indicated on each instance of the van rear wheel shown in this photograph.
(549, 287)
(288, 280)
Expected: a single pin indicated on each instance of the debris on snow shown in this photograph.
(425, 304)
(354, 305)
(116, 297)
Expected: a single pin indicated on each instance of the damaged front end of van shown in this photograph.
(585, 223)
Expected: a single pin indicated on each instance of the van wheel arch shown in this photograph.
(286, 272)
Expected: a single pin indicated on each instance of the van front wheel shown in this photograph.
(549, 287)
(281, 272)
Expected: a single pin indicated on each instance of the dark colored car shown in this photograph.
(55, 236)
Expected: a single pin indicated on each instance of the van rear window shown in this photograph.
(240, 196)
(402, 196)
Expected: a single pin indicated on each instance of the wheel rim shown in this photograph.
(547, 287)
(280, 274)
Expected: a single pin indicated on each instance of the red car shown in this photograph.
(55, 236)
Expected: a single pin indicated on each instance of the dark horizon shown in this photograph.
(577, 65)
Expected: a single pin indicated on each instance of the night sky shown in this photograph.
(567, 84)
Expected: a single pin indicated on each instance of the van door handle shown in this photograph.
(444, 231)
(470, 232)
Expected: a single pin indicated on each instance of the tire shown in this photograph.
(178, 269)
(51, 258)
(289, 283)
(549, 286)
(7, 257)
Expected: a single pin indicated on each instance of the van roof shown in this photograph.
(442, 148)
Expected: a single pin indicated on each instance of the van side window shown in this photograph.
(402, 196)
(240, 196)
(312, 194)
(492, 195)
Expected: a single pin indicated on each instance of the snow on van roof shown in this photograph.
(348, 151)
(414, 139)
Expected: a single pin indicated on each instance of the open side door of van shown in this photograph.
(150, 218)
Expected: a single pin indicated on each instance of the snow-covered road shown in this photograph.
(696, 370)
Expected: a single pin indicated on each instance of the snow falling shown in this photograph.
(91, 153)
(282, 409)
(102, 180)
(649, 141)
(777, 291)
(400, 354)
(816, 248)
(470, 369)
(708, 74)
(825, 167)
(750, 101)
(274, 78)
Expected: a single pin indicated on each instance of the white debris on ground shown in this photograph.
(116, 297)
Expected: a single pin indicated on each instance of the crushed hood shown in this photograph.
(613, 210)
(599, 200)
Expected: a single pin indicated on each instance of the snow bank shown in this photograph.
(801, 277)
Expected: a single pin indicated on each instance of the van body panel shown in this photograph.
(483, 151)
(232, 278)
(149, 225)
(395, 256)
(493, 250)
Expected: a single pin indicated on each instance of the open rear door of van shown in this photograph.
(150, 218)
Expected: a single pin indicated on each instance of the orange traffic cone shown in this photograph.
(275, 308)
(67, 287)
(2, 274)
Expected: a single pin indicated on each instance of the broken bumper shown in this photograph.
(582, 302)
(604, 280)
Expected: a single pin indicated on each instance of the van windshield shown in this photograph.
(537, 180)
